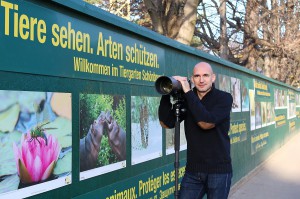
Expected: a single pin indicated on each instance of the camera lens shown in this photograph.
(167, 85)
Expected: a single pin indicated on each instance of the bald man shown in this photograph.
(207, 122)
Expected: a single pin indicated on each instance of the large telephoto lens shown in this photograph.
(167, 85)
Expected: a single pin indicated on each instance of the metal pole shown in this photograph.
(177, 146)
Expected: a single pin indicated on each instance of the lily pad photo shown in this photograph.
(35, 142)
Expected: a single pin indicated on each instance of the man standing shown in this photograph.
(207, 122)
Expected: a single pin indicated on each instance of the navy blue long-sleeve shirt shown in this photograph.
(207, 150)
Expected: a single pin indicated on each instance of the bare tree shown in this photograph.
(275, 35)
(262, 35)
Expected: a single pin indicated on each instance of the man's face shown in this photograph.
(203, 77)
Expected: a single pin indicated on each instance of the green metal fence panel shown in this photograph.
(73, 77)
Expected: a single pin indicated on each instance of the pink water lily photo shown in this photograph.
(36, 157)
(35, 142)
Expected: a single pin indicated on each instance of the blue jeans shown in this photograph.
(196, 185)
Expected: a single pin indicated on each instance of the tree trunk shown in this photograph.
(155, 10)
(174, 18)
(251, 27)
(185, 25)
(144, 124)
(223, 35)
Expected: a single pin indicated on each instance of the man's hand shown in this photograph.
(184, 83)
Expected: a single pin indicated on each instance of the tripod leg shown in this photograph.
(177, 148)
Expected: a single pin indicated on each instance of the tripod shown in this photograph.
(178, 111)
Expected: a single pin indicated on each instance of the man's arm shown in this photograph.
(205, 125)
(165, 112)
(209, 119)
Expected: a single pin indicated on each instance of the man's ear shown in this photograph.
(213, 77)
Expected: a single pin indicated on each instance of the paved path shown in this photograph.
(277, 178)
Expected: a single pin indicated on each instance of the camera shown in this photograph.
(168, 86)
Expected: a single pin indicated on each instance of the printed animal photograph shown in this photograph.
(245, 96)
(224, 83)
(170, 139)
(102, 146)
(236, 94)
(252, 109)
(146, 132)
(35, 142)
